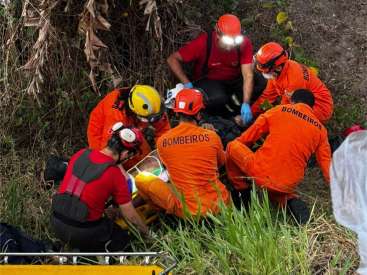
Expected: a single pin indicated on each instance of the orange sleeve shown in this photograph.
(161, 127)
(323, 156)
(256, 130)
(95, 126)
(269, 94)
(221, 157)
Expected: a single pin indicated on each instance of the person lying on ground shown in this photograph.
(92, 177)
(293, 134)
(140, 106)
(223, 69)
(285, 76)
(192, 156)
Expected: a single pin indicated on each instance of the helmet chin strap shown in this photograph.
(278, 70)
(197, 119)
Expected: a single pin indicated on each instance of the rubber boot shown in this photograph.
(241, 198)
(299, 210)
(235, 195)
(246, 197)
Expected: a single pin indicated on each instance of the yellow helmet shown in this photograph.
(144, 101)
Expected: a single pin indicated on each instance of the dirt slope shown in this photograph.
(334, 32)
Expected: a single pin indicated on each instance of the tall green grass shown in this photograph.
(24, 202)
(257, 241)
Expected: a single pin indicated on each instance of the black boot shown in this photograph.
(235, 195)
(241, 198)
(246, 197)
(299, 210)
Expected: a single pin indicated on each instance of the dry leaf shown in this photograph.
(96, 42)
(103, 6)
(31, 22)
(90, 8)
(289, 26)
(92, 79)
(116, 81)
(102, 24)
(150, 6)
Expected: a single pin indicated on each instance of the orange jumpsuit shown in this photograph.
(297, 76)
(192, 156)
(294, 133)
(104, 116)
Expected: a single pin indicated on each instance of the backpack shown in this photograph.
(68, 205)
(12, 240)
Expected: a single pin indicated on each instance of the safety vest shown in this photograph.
(68, 204)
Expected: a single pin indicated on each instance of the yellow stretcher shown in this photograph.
(72, 263)
(152, 166)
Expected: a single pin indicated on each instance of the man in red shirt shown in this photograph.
(222, 68)
(92, 177)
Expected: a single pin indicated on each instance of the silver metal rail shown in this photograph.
(64, 257)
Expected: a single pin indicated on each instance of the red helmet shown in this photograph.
(270, 56)
(188, 101)
(229, 24)
(130, 137)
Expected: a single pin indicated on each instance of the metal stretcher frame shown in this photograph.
(63, 257)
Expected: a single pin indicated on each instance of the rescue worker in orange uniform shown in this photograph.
(192, 156)
(293, 134)
(285, 76)
(139, 106)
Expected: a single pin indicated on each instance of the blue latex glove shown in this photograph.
(130, 185)
(246, 113)
(188, 85)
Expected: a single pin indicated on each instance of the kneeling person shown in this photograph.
(192, 156)
(139, 106)
(92, 177)
(294, 133)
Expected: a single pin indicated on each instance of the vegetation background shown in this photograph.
(59, 57)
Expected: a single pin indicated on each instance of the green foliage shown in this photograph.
(23, 201)
(7, 144)
(300, 56)
(283, 31)
(238, 242)
(352, 111)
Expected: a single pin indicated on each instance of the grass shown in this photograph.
(260, 241)
(23, 200)
(239, 242)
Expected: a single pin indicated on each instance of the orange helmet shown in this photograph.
(229, 24)
(189, 102)
(270, 56)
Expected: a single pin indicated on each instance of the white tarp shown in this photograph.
(349, 189)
